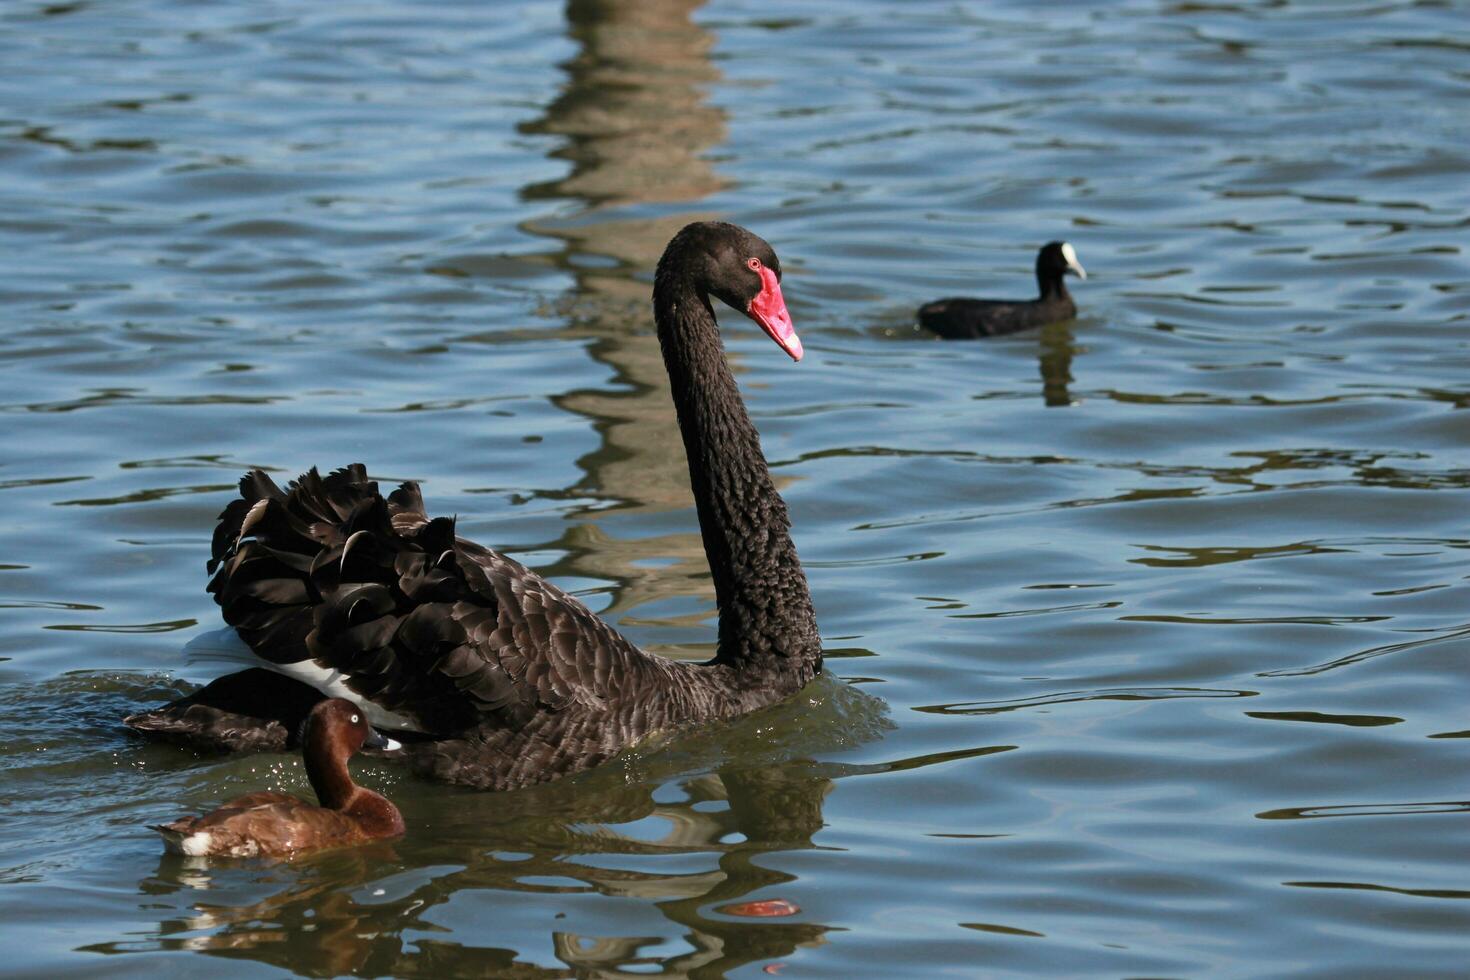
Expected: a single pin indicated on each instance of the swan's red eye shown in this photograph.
(754, 264)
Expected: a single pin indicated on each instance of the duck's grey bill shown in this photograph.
(377, 740)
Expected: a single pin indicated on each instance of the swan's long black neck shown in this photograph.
(766, 617)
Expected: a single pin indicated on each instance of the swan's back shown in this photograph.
(331, 583)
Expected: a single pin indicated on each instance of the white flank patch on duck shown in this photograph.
(196, 845)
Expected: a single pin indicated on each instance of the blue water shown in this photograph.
(1146, 632)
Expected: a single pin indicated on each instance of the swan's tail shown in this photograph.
(348, 594)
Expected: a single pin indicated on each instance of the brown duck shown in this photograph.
(279, 825)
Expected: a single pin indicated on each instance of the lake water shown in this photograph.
(1147, 633)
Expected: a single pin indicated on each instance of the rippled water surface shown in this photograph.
(1146, 632)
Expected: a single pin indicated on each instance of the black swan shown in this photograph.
(962, 319)
(279, 825)
(507, 679)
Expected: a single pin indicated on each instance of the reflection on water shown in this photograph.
(1057, 348)
(1363, 810)
(637, 128)
(511, 875)
(361, 911)
(634, 109)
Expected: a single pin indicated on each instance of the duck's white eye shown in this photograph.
(354, 719)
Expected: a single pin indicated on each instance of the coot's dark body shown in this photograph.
(961, 318)
(507, 679)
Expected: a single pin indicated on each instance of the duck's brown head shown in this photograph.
(338, 729)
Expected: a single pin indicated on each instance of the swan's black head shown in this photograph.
(739, 268)
(1055, 260)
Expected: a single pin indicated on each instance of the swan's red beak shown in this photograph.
(769, 310)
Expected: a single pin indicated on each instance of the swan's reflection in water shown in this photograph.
(365, 912)
(633, 109)
(635, 122)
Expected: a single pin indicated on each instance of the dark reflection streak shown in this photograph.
(1203, 557)
(212, 461)
(1365, 886)
(1257, 620)
(1452, 633)
(168, 626)
(1003, 930)
(42, 134)
(1317, 717)
(1459, 399)
(1362, 810)
(1130, 694)
(1365, 467)
(1430, 482)
(146, 496)
(1043, 611)
(40, 482)
(108, 398)
(963, 455)
(1055, 359)
(932, 759)
(874, 562)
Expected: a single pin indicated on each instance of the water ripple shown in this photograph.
(1066, 697)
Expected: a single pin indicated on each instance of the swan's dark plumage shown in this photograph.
(508, 679)
(961, 318)
(252, 710)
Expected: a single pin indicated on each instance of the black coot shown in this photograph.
(961, 318)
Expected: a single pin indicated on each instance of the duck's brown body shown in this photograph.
(279, 825)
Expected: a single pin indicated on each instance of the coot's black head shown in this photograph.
(739, 268)
(1057, 259)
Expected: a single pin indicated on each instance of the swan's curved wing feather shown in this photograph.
(328, 578)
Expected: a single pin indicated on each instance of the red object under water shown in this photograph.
(766, 908)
